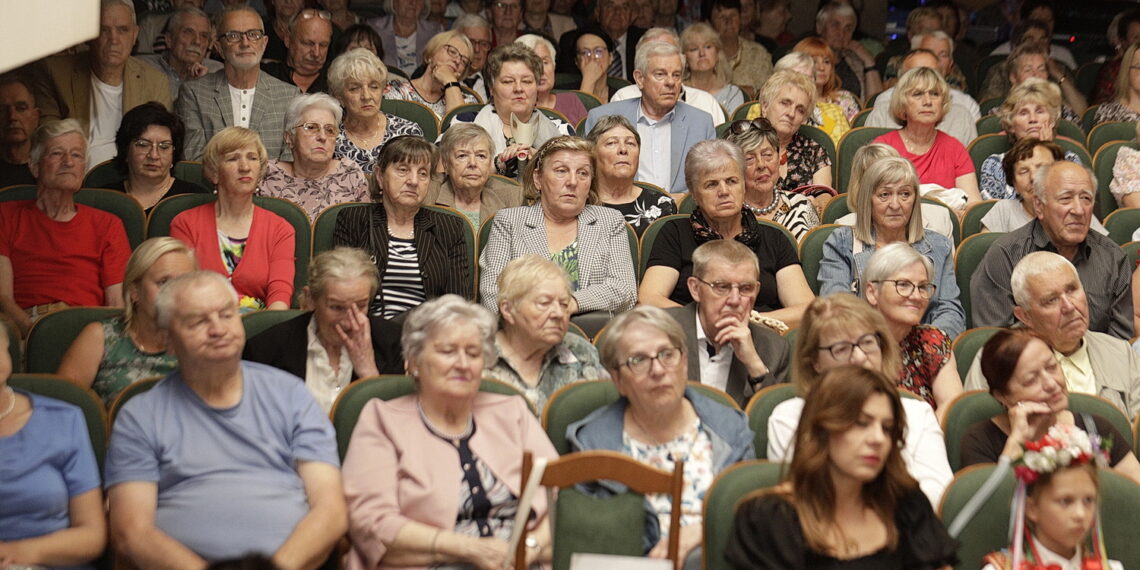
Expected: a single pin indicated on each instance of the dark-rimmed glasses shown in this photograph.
(235, 36)
(904, 288)
(641, 363)
(869, 343)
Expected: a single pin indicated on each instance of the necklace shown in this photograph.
(453, 438)
(370, 140)
(11, 402)
(766, 209)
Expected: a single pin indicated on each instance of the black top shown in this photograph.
(179, 187)
(15, 174)
(767, 534)
(677, 241)
(282, 71)
(983, 441)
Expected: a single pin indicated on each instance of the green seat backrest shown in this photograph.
(1088, 118)
(57, 387)
(836, 208)
(14, 352)
(1097, 406)
(450, 116)
(987, 105)
(191, 171)
(1105, 133)
(985, 146)
(1122, 223)
(1086, 76)
(258, 322)
(954, 222)
(851, 142)
(811, 252)
(1071, 130)
(823, 139)
(760, 409)
(964, 411)
(111, 201)
(860, 119)
(968, 344)
(571, 403)
(721, 500)
(741, 112)
(722, 130)
(972, 221)
(1102, 164)
(966, 259)
(579, 528)
(988, 124)
(649, 238)
(1075, 146)
(126, 395)
(988, 530)
(102, 175)
(325, 225)
(415, 112)
(53, 334)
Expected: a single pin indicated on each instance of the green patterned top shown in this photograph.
(124, 364)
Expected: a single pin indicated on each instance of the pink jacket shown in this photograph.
(396, 471)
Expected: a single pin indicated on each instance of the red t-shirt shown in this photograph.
(946, 160)
(72, 261)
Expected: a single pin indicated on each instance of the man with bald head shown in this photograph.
(308, 50)
(1051, 302)
(1063, 195)
(960, 119)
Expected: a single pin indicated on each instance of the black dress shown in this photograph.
(766, 534)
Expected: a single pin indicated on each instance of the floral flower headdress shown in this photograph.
(1063, 446)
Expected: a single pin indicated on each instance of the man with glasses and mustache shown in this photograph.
(239, 94)
(18, 119)
(97, 87)
(724, 347)
(188, 37)
(310, 34)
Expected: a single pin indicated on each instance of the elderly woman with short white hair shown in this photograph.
(535, 351)
(566, 102)
(315, 179)
(787, 100)
(467, 184)
(357, 79)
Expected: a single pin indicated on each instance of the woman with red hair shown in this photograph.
(826, 80)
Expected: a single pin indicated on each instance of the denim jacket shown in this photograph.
(841, 269)
(727, 429)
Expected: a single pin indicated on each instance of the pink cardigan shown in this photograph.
(267, 268)
(397, 472)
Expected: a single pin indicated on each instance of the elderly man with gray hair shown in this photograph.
(221, 458)
(698, 98)
(1052, 304)
(1063, 195)
(188, 36)
(668, 127)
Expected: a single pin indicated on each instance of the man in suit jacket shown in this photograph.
(668, 127)
(97, 87)
(208, 104)
(615, 18)
(725, 348)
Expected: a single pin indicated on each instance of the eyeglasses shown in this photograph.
(508, 7)
(314, 128)
(641, 363)
(596, 53)
(479, 45)
(723, 289)
(758, 124)
(310, 13)
(145, 145)
(235, 36)
(452, 52)
(905, 288)
(869, 343)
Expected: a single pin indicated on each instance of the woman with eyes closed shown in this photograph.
(919, 102)
(149, 142)
(846, 501)
(357, 79)
(421, 254)
(714, 172)
(314, 179)
(886, 211)
(534, 351)
(566, 226)
(250, 245)
(513, 73)
(618, 146)
(897, 283)
(842, 329)
(446, 57)
(1026, 379)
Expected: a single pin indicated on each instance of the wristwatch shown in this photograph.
(447, 86)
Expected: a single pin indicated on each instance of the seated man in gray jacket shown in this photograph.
(1051, 303)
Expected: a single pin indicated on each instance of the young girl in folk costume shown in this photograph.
(1055, 506)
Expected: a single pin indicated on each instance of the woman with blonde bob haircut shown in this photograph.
(567, 226)
(887, 211)
(357, 79)
(919, 103)
(706, 67)
(846, 499)
(841, 329)
(113, 353)
(250, 245)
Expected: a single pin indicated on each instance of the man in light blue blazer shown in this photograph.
(668, 127)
